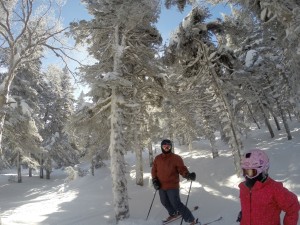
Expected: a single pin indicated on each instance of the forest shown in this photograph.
(212, 76)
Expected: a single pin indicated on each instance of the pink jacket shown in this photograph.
(263, 204)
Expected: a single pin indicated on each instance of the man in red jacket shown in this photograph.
(165, 177)
(263, 199)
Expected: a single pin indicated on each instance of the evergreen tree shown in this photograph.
(206, 68)
(282, 19)
(22, 140)
(120, 36)
(57, 107)
(26, 27)
(263, 76)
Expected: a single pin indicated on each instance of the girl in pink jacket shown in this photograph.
(262, 198)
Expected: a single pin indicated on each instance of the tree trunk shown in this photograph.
(235, 141)
(285, 123)
(48, 172)
(19, 168)
(138, 156)
(181, 139)
(93, 167)
(139, 170)
(118, 170)
(223, 136)
(214, 150)
(267, 122)
(252, 116)
(290, 116)
(139, 167)
(41, 167)
(48, 167)
(190, 146)
(2, 119)
(30, 169)
(116, 148)
(30, 172)
(277, 122)
(269, 127)
(41, 172)
(150, 150)
(263, 110)
(190, 143)
(4, 93)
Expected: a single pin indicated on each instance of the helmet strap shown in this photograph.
(265, 176)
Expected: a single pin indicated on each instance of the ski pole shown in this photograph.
(187, 201)
(151, 204)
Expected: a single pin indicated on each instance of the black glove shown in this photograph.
(156, 183)
(239, 218)
(191, 176)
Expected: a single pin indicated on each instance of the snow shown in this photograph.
(250, 58)
(187, 21)
(88, 200)
(26, 110)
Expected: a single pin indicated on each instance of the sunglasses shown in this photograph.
(249, 172)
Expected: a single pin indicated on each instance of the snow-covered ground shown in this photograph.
(88, 200)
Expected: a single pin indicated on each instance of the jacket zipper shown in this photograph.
(250, 207)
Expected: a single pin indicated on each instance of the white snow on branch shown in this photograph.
(251, 57)
(114, 78)
(25, 108)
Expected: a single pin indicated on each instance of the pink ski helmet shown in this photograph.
(255, 159)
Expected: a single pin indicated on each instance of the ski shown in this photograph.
(179, 217)
(211, 221)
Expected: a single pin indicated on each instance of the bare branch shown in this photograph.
(62, 54)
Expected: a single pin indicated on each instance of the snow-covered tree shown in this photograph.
(56, 102)
(120, 36)
(282, 18)
(90, 132)
(264, 77)
(22, 140)
(206, 67)
(179, 3)
(26, 27)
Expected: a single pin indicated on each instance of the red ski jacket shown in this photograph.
(167, 167)
(263, 204)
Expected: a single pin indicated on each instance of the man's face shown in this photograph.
(166, 147)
